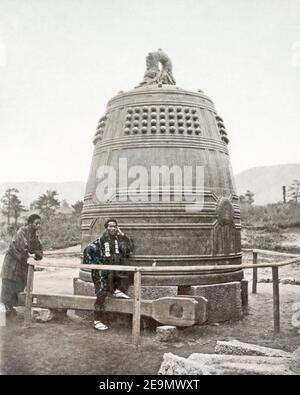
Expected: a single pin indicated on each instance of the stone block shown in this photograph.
(216, 364)
(42, 315)
(81, 287)
(235, 347)
(86, 288)
(175, 365)
(224, 300)
(154, 292)
(166, 333)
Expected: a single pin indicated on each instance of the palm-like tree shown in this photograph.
(47, 203)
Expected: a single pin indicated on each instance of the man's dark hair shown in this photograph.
(110, 220)
(32, 218)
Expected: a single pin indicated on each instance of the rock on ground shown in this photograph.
(174, 365)
(235, 347)
(42, 315)
(166, 333)
(216, 364)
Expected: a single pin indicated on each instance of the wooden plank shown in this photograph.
(78, 254)
(136, 317)
(268, 252)
(175, 269)
(28, 298)
(84, 266)
(162, 310)
(75, 254)
(81, 302)
(276, 302)
(180, 311)
(254, 276)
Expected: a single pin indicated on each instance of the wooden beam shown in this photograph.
(276, 302)
(169, 269)
(28, 298)
(178, 310)
(77, 254)
(254, 276)
(136, 317)
(274, 253)
(182, 310)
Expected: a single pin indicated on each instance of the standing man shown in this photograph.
(112, 248)
(15, 267)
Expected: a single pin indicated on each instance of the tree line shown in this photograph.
(293, 194)
(60, 227)
(46, 204)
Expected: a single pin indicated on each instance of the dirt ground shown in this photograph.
(72, 346)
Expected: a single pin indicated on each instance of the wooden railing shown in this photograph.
(139, 270)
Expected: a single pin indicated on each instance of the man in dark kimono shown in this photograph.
(15, 267)
(112, 248)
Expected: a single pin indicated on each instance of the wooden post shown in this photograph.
(28, 300)
(136, 317)
(276, 306)
(284, 194)
(254, 277)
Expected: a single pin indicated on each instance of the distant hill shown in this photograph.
(29, 191)
(267, 181)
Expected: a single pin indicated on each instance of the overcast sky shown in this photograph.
(62, 60)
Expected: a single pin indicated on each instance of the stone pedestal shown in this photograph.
(154, 292)
(81, 287)
(224, 300)
(86, 288)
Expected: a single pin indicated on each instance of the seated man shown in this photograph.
(110, 249)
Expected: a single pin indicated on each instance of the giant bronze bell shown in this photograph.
(162, 130)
